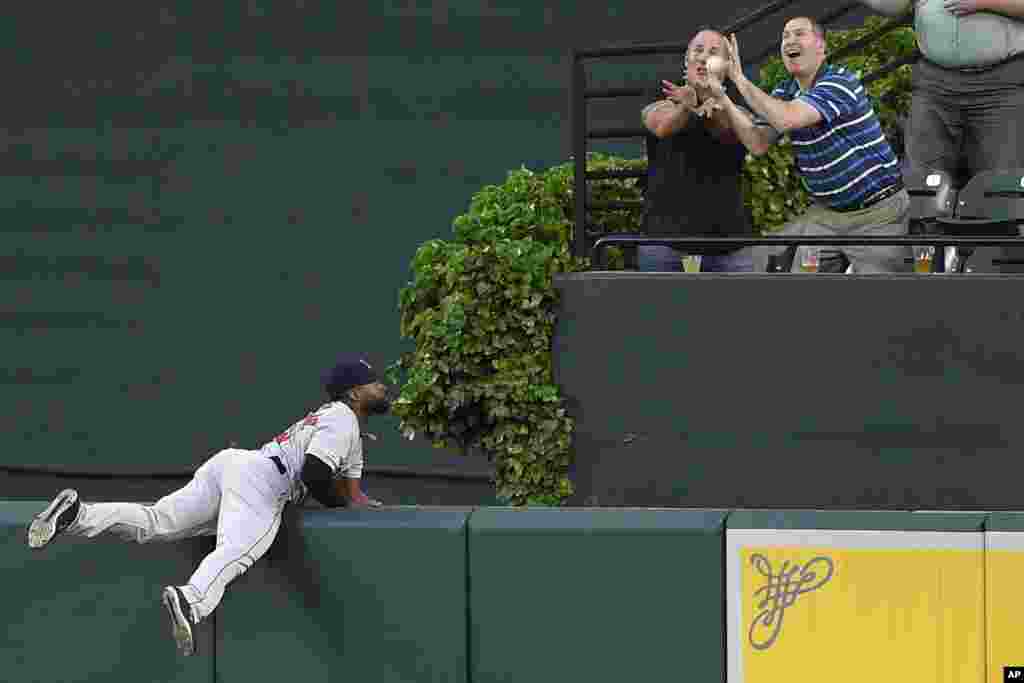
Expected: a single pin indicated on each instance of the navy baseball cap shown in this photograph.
(351, 370)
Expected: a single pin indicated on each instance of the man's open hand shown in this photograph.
(713, 94)
(735, 69)
(680, 94)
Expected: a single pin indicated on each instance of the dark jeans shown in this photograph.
(657, 258)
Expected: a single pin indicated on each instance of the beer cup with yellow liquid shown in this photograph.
(923, 259)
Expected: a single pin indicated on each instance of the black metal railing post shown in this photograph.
(938, 241)
(578, 114)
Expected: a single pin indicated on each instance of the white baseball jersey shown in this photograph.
(330, 433)
(237, 495)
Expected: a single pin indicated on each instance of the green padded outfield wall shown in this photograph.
(82, 610)
(201, 203)
(375, 595)
(595, 595)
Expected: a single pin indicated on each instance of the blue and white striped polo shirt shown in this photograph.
(844, 159)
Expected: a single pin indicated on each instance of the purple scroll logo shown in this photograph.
(781, 591)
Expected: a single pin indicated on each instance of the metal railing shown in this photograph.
(938, 241)
(580, 95)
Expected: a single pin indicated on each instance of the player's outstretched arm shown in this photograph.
(353, 492)
(318, 478)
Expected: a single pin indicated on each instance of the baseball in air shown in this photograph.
(716, 67)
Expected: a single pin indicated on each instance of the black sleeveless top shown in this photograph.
(694, 183)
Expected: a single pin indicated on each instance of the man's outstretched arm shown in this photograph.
(756, 138)
(669, 116)
(782, 115)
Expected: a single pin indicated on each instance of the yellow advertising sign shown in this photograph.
(1004, 569)
(856, 606)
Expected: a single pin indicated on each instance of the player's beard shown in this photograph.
(380, 406)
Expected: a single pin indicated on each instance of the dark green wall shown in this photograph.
(803, 391)
(89, 610)
(595, 595)
(403, 595)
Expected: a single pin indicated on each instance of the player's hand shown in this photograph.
(363, 501)
(961, 8)
(680, 94)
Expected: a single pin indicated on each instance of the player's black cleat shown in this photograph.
(58, 516)
(182, 625)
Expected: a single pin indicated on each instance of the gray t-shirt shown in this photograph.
(976, 40)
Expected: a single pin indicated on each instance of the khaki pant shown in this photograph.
(888, 217)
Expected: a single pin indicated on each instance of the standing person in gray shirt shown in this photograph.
(968, 89)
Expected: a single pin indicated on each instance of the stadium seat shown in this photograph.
(781, 262)
(932, 195)
(991, 205)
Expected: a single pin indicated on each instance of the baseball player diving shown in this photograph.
(239, 495)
